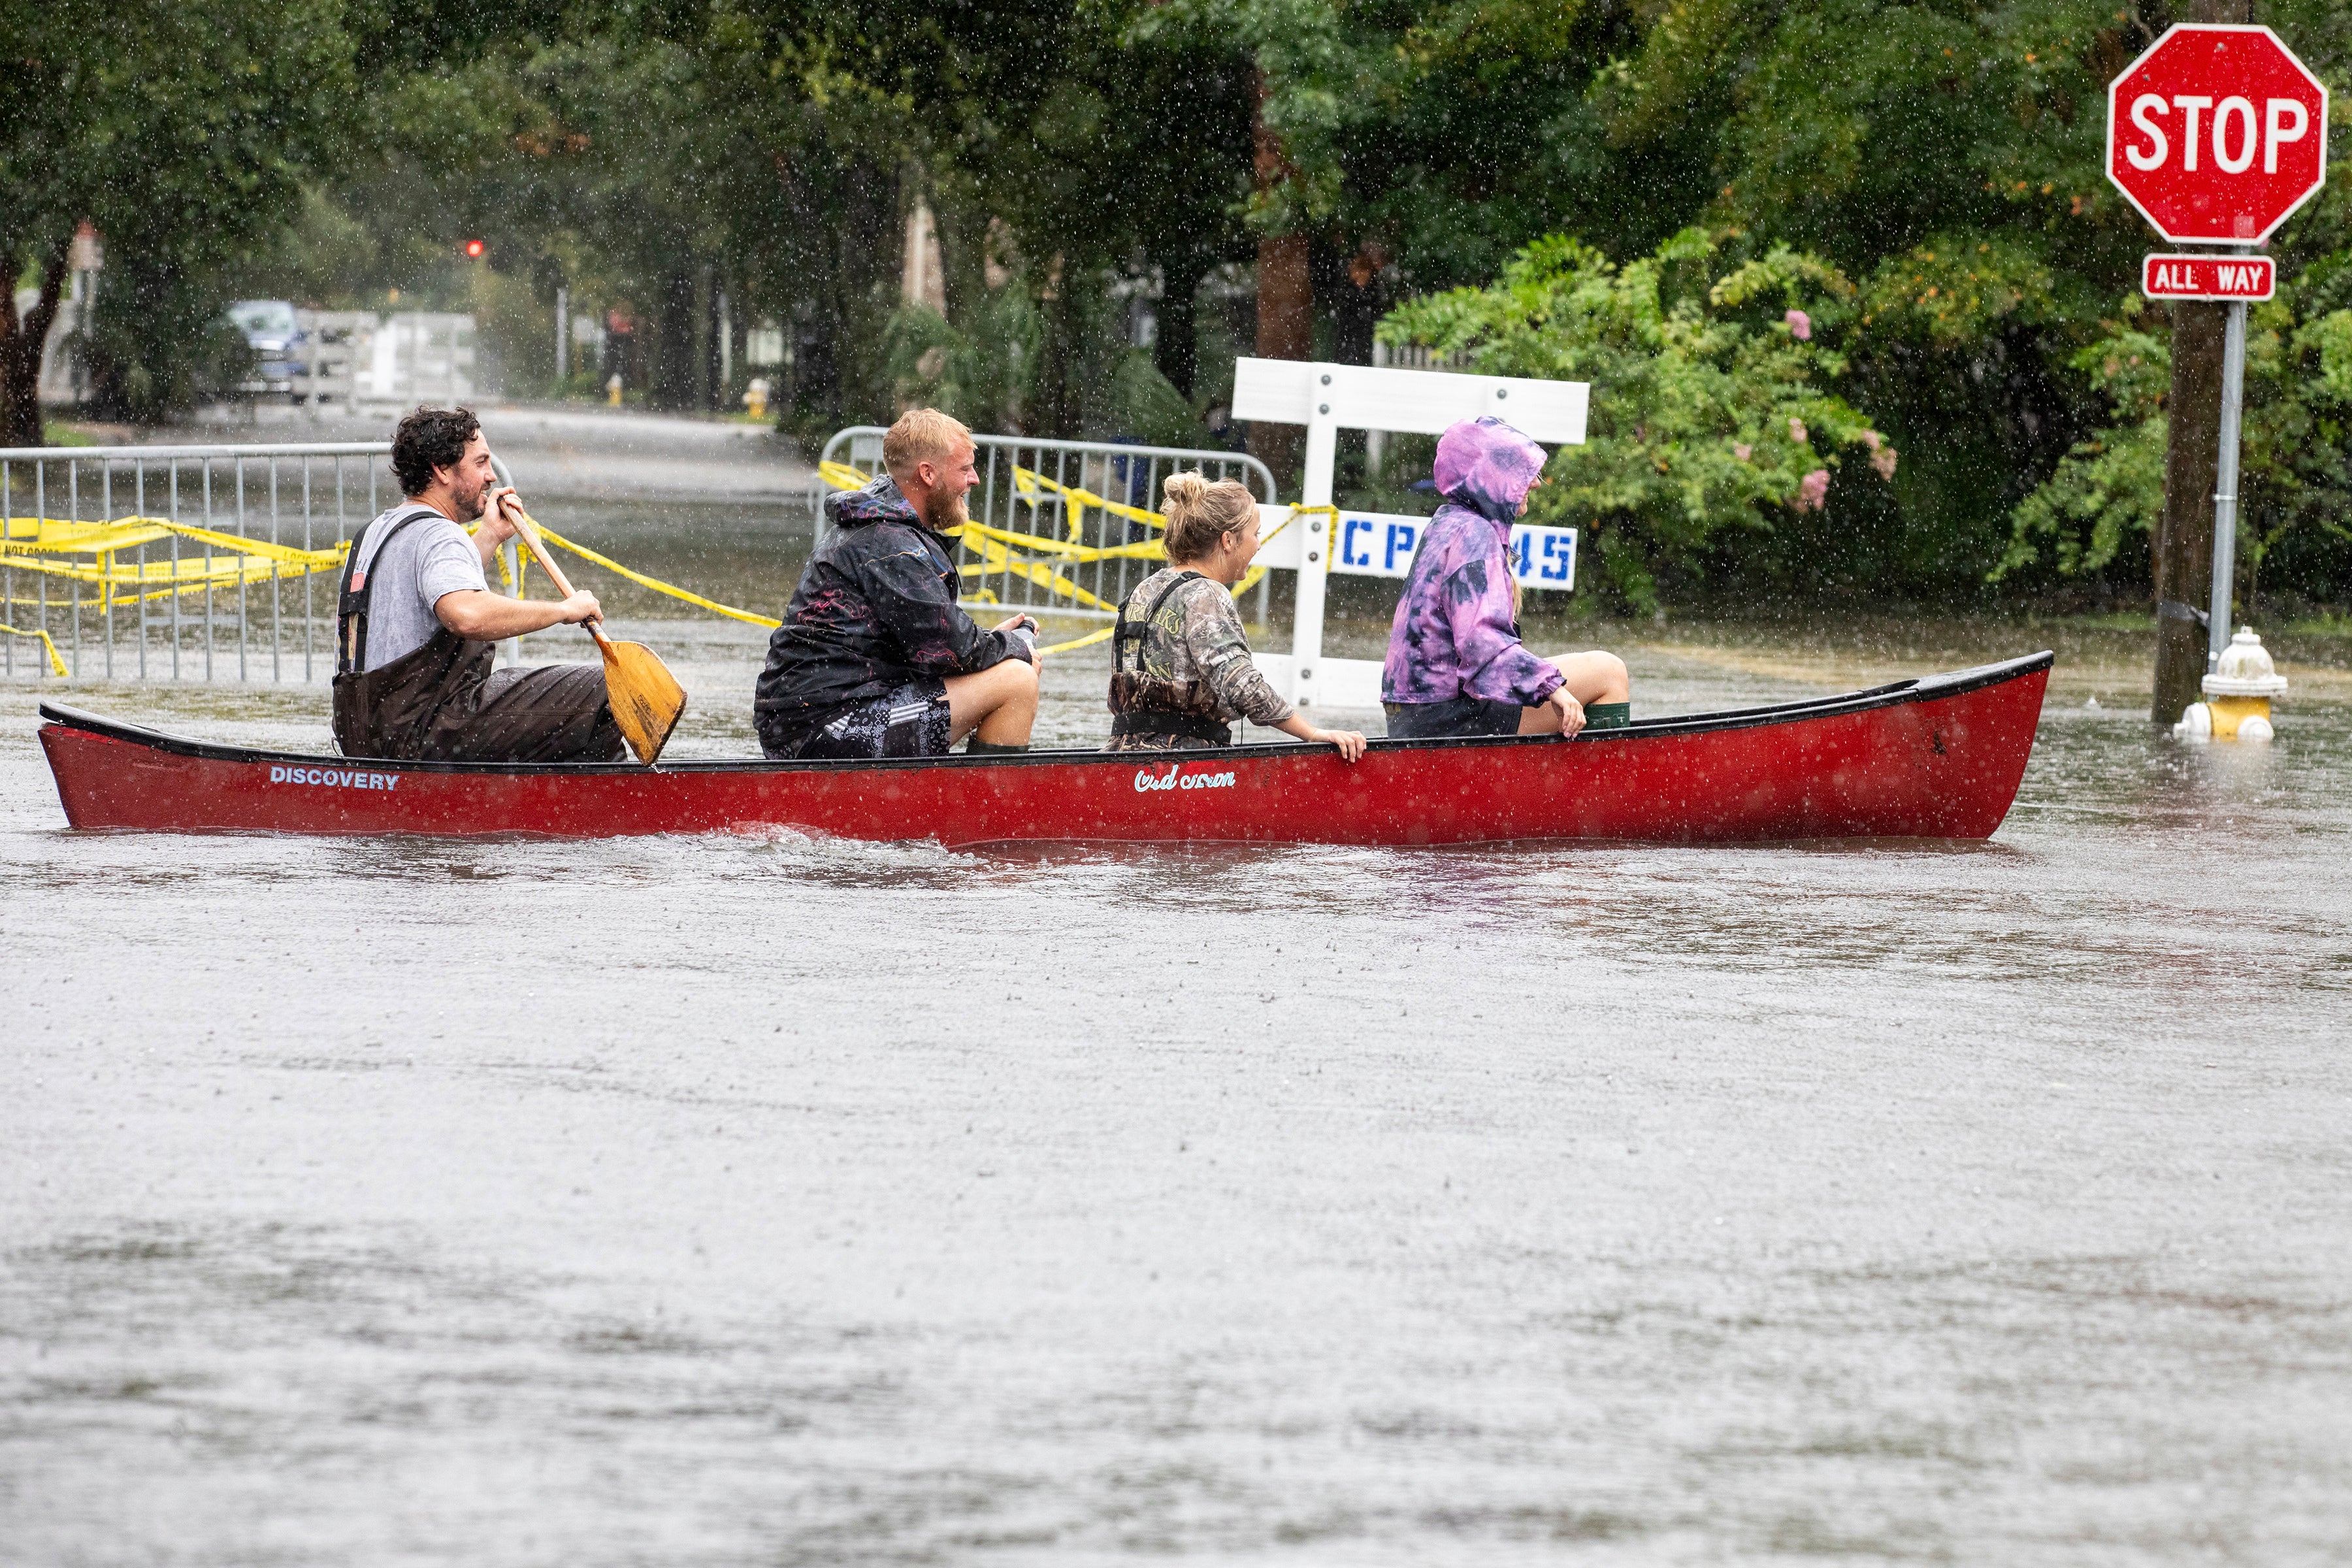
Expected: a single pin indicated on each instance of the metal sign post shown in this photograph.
(2225, 487)
(1327, 399)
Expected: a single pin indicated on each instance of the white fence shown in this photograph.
(140, 602)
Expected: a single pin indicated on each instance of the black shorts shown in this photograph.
(1459, 716)
(912, 721)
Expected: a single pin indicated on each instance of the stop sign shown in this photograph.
(2217, 133)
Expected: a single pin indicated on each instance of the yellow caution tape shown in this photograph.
(842, 476)
(56, 665)
(1086, 641)
(32, 545)
(997, 559)
(655, 584)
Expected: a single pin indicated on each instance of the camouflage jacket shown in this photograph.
(876, 608)
(1193, 656)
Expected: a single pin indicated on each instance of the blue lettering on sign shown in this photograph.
(1383, 544)
(1402, 538)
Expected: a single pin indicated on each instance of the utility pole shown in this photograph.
(2184, 542)
(1286, 295)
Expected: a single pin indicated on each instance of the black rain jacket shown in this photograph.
(875, 609)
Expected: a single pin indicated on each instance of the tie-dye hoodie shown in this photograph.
(1455, 635)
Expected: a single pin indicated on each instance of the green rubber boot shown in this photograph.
(1608, 715)
(976, 747)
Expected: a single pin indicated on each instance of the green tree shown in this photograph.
(180, 135)
(1714, 410)
(2295, 461)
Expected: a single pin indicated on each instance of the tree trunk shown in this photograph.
(2184, 539)
(1178, 352)
(22, 340)
(674, 373)
(714, 338)
(1056, 409)
(1286, 300)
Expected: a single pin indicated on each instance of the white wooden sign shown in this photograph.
(1326, 397)
(1419, 402)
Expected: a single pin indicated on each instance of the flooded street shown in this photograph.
(727, 1199)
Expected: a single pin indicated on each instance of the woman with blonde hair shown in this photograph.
(1194, 675)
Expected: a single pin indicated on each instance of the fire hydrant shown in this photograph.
(612, 390)
(2237, 705)
(755, 398)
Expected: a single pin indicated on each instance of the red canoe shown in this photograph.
(1938, 758)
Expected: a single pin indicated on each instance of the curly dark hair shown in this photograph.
(428, 439)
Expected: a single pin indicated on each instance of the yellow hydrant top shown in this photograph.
(2245, 670)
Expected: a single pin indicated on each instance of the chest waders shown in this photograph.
(446, 702)
(1150, 705)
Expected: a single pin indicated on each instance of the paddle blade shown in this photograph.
(647, 699)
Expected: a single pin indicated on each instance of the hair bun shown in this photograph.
(1200, 513)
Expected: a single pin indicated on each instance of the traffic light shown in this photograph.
(474, 250)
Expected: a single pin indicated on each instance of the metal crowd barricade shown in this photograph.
(278, 627)
(1116, 470)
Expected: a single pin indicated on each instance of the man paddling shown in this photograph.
(875, 658)
(417, 626)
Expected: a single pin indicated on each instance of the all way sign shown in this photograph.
(2207, 277)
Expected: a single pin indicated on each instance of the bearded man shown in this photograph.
(417, 627)
(876, 658)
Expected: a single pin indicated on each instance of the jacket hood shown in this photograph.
(1487, 465)
(879, 501)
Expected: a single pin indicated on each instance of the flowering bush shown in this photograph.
(1710, 405)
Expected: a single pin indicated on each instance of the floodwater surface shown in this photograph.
(770, 1199)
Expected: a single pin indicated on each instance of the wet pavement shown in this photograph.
(734, 1199)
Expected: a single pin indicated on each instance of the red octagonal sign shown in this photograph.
(2217, 133)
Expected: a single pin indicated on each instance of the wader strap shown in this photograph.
(1119, 636)
(358, 589)
(1155, 720)
(1148, 723)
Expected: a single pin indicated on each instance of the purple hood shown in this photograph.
(1488, 466)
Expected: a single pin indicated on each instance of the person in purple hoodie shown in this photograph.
(1455, 664)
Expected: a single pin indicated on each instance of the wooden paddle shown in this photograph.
(645, 696)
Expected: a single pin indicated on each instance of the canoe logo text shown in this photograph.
(340, 778)
(1176, 779)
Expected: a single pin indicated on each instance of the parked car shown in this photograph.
(276, 339)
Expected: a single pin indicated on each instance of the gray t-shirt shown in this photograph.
(432, 556)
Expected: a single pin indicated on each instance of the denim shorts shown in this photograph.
(1456, 716)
